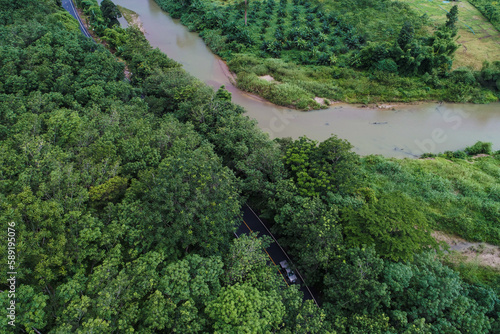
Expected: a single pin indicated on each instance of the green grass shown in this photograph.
(479, 40)
(458, 196)
(473, 272)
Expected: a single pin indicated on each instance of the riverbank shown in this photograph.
(409, 130)
(132, 18)
(316, 54)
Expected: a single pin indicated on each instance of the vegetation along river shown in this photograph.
(402, 131)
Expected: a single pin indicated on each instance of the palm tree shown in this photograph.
(245, 6)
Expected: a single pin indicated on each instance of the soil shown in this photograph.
(480, 155)
(136, 21)
(267, 78)
(485, 254)
(320, 100)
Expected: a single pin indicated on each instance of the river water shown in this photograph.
(406, 131)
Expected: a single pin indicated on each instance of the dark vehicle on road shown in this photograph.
(289, 272)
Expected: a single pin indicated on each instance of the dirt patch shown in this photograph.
(386, 106)
(127, 72)
(225, 69)
(132, 18)
(136, 21)
(322, 101)
(267, 77)
(480, 156)
(485, 254)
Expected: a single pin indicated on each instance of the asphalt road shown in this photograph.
(70, 7)
(252, 223)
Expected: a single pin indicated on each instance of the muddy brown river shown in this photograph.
(407, 131)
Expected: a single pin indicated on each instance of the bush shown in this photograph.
(463, 75)
(479, 148)
(215, 40)
(454, 155)
(386, 65)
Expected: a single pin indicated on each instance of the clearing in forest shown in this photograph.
(478, 39)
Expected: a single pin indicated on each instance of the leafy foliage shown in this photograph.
(244, 308)
(110, 13)
(393, 223)
(125, 195)
(323, 169)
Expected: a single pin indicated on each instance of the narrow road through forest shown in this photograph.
(252, 223)
(70, 7)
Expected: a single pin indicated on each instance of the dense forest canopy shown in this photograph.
(124, 196)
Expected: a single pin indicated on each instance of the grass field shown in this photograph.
(458, 196)
(478, 39)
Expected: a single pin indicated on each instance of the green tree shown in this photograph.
(110, 12)
(184, 289)
(393, 224)
(245, 5)
(29, 309)
(189, 202)
(426, 289)
(309, 228)
(241, 308)
(247, 263)
(353, 285)
(223, 94)
(322, 169)
(452, 17)
(406, 35)
(305, 317)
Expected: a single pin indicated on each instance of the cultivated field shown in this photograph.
(478, 39)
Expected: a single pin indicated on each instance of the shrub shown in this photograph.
(386, 65)
(463, 75)
(215, 40)
(479, 148)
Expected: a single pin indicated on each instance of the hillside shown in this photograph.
(119, 199)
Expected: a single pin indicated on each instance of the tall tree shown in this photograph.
(427, 289)
(406, 34)
(393, 224)
(309, 228)
(324, 169)
(353, 284)
(110, 12)
(189, 202)
(245, 6)
(452, 16)
(241, 308)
